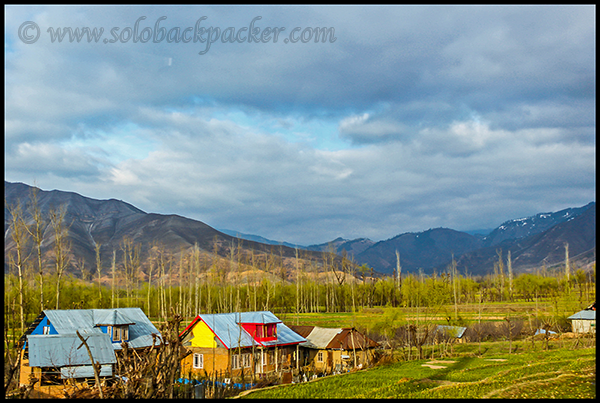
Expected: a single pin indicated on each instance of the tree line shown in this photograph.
(194, 280)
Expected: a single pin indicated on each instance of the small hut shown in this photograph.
(584, 321)
(330, 350)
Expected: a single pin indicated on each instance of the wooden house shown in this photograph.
(584, 321)
(329, 350)
(53, 353)
(242, 344)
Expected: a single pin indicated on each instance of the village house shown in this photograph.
(244, 345)
(328, 350)
(53, 353)
(449, 333)
(584, 321)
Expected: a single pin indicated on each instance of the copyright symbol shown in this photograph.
(24, 34)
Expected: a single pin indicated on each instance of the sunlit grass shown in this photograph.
(557, 373)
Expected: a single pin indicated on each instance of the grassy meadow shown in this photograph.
(500, 368)
(560, 372)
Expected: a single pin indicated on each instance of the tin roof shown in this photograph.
(320, 337)
(454, 331)
(263, 317)
(349, 338)
(584, 315)
(336, 338)
(112, 317)
(227, 328)
(59, 350)
(67, 321)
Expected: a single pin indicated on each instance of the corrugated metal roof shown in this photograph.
(85, 371)
(59, 350)
(302, 330)
(257, 317)
(112, 317)
(285, 335)
(67, 321)
(336, 338)
(320, 337)
(349, 339)
(584, 315)
(454, 331)
(226, 326)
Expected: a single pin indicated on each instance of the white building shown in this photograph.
(584, 321)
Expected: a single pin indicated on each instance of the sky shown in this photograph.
(307, 123)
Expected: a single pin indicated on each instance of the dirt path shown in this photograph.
(432, 364)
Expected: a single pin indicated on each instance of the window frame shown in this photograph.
(198, 361)
(236, 361)
(246, 360)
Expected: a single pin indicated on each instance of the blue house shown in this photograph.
(52, 351)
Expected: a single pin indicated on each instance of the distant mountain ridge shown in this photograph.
(109, 222)
(533, 241)
(258, 238)
(523, 227)
(575, 231)
(340, 246)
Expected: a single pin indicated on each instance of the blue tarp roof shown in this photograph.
(62, 350)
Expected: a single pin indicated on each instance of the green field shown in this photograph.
(561, 372)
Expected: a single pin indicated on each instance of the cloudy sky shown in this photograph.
(396, 119)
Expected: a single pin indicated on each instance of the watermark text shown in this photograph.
(143, 32)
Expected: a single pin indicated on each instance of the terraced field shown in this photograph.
(557, 373)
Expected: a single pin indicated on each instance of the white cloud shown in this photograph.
(415, 117)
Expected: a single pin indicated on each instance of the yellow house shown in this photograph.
(234, 345)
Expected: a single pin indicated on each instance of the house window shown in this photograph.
(320, 356)
(46, 330)
(246, 360)
(198, 361)
(120, 333)
(235, 361)
(264, 358)
(271, 330)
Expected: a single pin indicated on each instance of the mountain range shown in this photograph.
(534, 241)
(109, 222)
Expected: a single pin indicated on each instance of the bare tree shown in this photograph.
(113, 270)
(61, 246)
(95, 365)
(510, 275)
(37, 233)
(454, 283)
(197, 279)
(99, 271)
(18, 230)
(567, 267)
